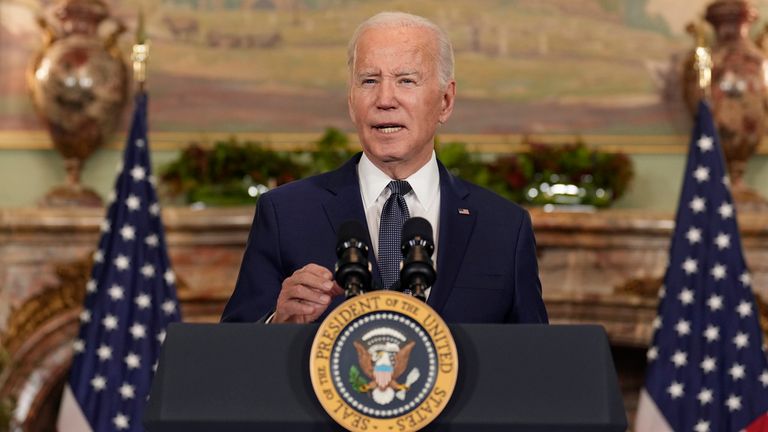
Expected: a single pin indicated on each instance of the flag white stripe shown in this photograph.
(649, 418)
(71, 417)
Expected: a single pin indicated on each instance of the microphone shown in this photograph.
(418, 272)
(353, 271)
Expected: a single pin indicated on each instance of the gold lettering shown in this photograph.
(360, 422)
(437, 396)
(420, 416)
(323, 351)
(426, 407)
(446, 361)
(322, 375)
(364, 423)
(333, 326)
(346, 315)
(433, 328)
(347, 413)
(339, 405)
(410, 308)
(411, 421)
(365, 306)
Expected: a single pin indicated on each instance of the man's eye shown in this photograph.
(407, 81)
(369, 81)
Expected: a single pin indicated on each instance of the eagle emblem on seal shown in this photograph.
(383, 355)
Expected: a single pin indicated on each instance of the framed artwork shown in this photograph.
(604, 69)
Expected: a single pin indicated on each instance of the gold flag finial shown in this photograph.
(140, 53)
(702, 57)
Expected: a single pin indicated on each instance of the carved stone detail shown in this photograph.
(37, 310)
(37, 337)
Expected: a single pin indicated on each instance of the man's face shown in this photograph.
(395, 97)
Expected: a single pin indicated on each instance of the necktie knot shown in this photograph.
(399, 187)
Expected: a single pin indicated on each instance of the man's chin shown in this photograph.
(387, 151)
(389, 159)
(386, 159)
(393, 161)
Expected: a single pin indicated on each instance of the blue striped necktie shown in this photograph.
(393, 216)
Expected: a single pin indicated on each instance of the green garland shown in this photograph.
(570, 173)
(233, 173)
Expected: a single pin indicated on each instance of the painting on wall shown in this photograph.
(590, 67)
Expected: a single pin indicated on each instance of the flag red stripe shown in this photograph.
(759, 425)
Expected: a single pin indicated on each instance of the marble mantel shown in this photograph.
(604, 267)
(601, 267)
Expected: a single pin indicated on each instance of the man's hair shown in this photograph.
(402, 19)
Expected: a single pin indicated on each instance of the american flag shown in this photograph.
(707, 368)
(130, 300)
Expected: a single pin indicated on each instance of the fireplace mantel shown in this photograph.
(599, 267)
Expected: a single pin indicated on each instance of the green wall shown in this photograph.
(658, 179)
(25, 176)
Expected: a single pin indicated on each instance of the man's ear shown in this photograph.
(446, 106)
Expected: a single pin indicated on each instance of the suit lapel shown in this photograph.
(457, 221)
(345, 203)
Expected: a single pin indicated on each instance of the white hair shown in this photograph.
(402, 19)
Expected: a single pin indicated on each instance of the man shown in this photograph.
(401, 88)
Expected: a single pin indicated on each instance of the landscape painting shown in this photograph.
(594, 67)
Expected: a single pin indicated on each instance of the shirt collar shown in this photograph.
(425, 182)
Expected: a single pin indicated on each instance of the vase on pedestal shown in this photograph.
(79, 87)
(738, 91)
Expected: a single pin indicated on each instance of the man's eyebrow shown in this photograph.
(368, 73)
(407, 72)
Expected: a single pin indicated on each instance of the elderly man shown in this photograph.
(401, 87)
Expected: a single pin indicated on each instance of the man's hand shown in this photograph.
(305, 295)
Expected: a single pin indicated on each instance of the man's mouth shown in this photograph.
(388, 128)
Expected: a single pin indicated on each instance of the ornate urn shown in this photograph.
(739, 92)
(79, 86)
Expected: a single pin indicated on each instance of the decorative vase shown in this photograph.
(79, 87)
(739, 92)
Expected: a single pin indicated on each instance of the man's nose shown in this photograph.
(386, 97)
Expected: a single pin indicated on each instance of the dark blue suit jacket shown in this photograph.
(486, 265)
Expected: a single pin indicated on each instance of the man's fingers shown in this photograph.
(317, 270)
(296, 307)
(336, 290)
(309, 278)
(306, 294)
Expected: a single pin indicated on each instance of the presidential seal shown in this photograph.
(383, 361)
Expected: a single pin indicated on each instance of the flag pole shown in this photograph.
(131, 296)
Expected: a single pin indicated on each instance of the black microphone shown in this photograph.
(418, 272)
(353, 271)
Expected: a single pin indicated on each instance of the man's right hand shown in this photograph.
(305, 295)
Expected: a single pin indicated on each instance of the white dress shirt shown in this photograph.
(422, 201)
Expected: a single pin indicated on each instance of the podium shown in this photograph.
(254, 377)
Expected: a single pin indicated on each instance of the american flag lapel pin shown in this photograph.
(463, 211)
